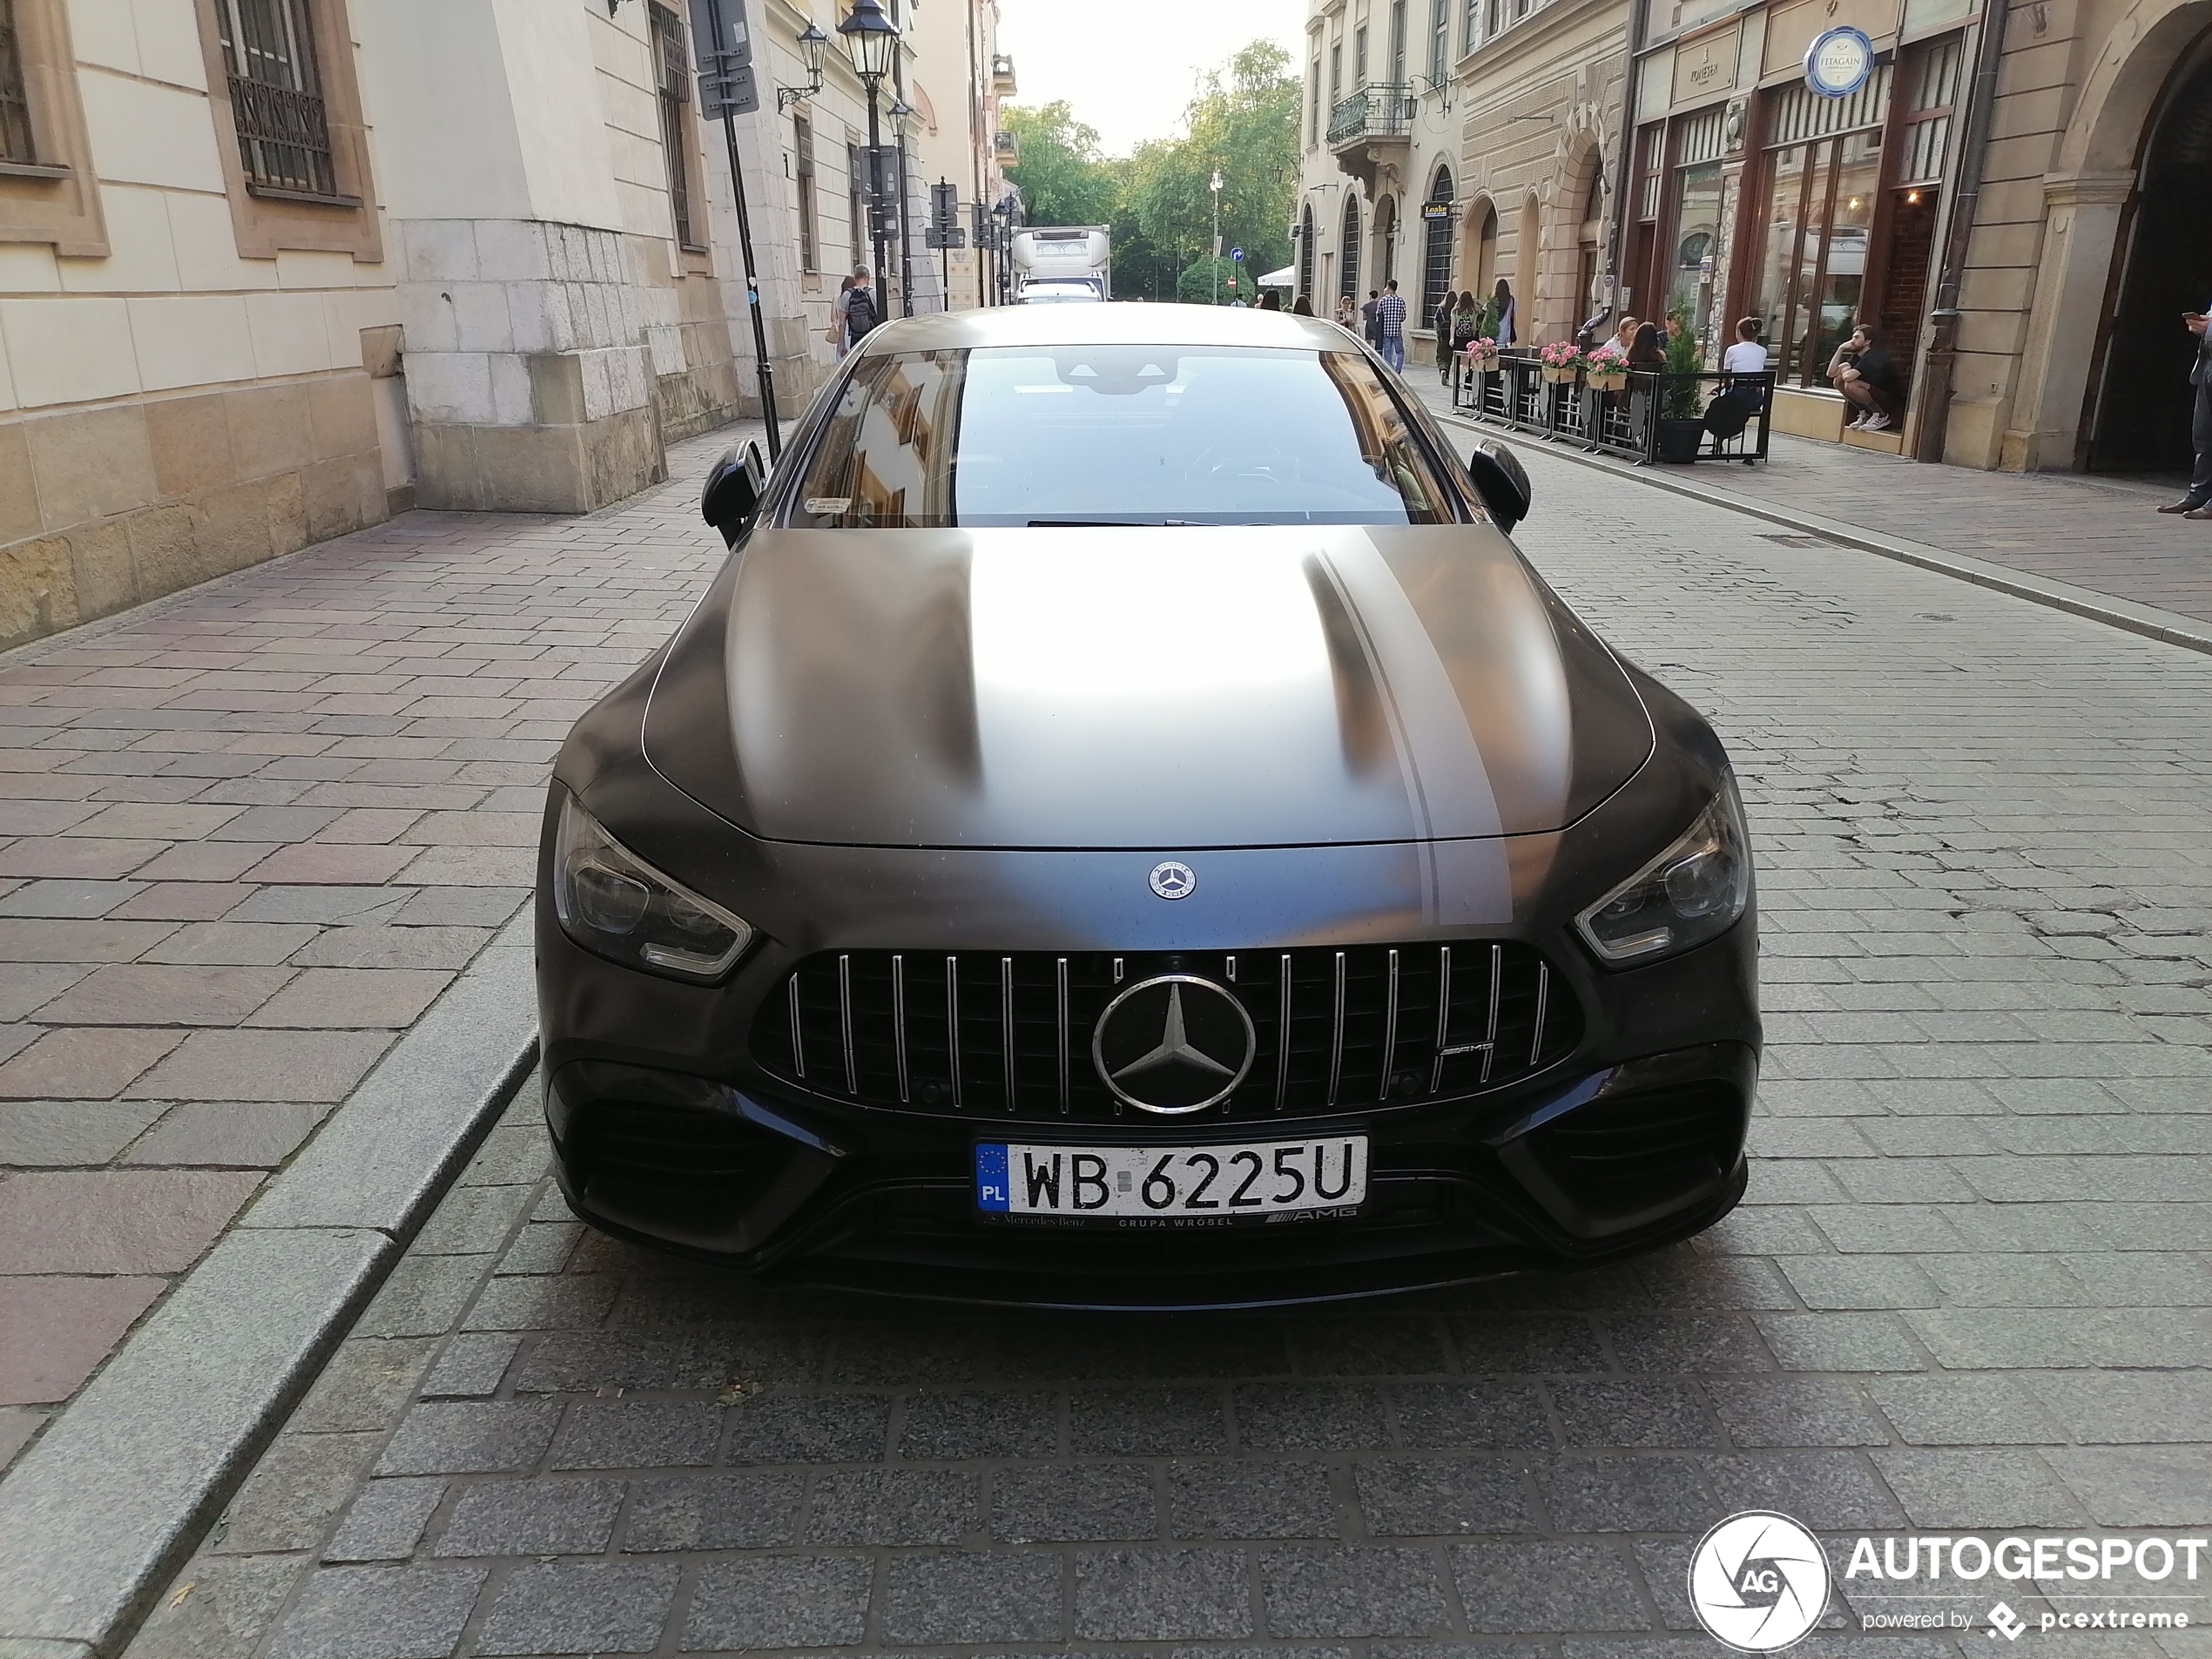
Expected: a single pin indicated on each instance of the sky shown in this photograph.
(1128, 66)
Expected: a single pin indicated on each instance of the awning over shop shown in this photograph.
(1286, 278)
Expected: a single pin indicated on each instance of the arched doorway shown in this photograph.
(1305, 254)
(1529, 270)
(1386, 239)
(2142, 419)
(1436, 244)
(1348, 255)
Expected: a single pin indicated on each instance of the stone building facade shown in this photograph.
(271, 270)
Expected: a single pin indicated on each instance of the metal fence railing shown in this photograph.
(1376, 112)
(1656, 416)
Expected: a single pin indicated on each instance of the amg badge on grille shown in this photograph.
(1173, 1044)
(1173, 881)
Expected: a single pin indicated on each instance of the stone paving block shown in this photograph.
(638, 1434)
(417, 948)
(58, 1134)
(58, 1329)
(116, 1221)
(1437, 1497)
(1822, 1489)
(1794, 1412)
(899, 1507)
(1309, 1417)
(836, 1428)
(1345, 1346)
(1519, 1344)
(542, 1247)
(1161, 1596)
(295, 1491)
(220, 1608)
(1840, 1342)
(2155, 1486)
(1273, 1498)
(365, 1384)
(467, 1437)
(317, 1066)
(1637, 1413)
(1686, 1343)
(342, 997)
(385, 1522)
(1599, 1495)
(380, 1612)
(1524, 1588)
(1453, 1416)
(753, 1511)
(1135, 1422)
(943, 1426)
(422, 1296)
(1964, 1409)
(1344, 1591)
(230, 943)
(1976, 1488)
(232, 1134)
(1046, 1503)
(1826, 1282)
(77, 1064)
(581, 1608)
(2128, 1408)
(551, 1517)
(784, 1602)
(541, 1302)
(472, 1220)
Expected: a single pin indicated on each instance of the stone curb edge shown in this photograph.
(98, 1515)
(2169, 627)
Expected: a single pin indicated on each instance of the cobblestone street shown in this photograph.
(1970, 1288)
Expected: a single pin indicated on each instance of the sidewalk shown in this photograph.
(247, 836)
(2091, 532)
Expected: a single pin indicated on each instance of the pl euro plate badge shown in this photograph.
(1171, 1186)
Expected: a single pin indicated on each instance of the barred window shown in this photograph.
(672, 90)
(276, 95)
(15, 105)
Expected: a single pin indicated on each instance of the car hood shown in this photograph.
(1140, 687)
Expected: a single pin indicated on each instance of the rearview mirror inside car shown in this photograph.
(734, 487)
(1503, 484)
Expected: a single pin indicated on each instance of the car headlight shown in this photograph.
(612, 902)
(1692, 892)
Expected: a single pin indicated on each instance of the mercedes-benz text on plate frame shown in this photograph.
(1081, 819)
(1175, 1185)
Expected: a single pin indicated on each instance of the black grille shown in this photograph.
(1334, 1028)
(1620, 1152)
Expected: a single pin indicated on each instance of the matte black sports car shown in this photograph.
(1126, 828)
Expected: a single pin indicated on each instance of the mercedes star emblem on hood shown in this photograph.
(1173, 1044)
(1174, 880)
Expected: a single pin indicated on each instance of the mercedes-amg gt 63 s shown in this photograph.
(1126, 828)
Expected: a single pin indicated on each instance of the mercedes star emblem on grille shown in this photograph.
(1173, 881)
(1173, 1044)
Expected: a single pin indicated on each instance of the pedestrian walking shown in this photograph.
(842, 341)
(1271, 300)
(1862, 371)
(1441, 322)
(1502, 319)
(857, 305)
(2198, 502)
(1369, 326)
(1343, 311)
(1464, 322)
(1390, 324)
(1301, 307)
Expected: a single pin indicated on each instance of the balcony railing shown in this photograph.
(1381, 111)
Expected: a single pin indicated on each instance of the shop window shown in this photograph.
(810, 236)
(1386, 236)
(1820, 180)
(672, 92)
(1436, 247)
(1696, 230)
(1305, 255)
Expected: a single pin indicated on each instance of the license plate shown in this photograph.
(1179, 1186)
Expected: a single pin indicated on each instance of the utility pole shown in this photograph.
(725, 58)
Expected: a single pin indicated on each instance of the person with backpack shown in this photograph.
(1465, 329)
(856, 305)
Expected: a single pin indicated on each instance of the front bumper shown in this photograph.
(802, 1189)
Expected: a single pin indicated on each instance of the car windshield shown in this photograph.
(1117, 434)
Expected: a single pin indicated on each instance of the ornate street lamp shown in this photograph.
(900, 114)
(811, 44)
(872, 39)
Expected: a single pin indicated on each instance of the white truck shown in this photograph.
(1063, 266)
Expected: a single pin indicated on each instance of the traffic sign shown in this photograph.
(1236, 253)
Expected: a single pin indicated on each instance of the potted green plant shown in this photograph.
(1682, 426)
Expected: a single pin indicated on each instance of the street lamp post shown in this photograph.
(873, 41)
(900, 115)
(1215, 188)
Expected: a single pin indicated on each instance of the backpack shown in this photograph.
(859, 311)
(1464, 324)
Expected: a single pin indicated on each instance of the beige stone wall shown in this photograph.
(106, 506)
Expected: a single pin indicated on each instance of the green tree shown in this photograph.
(1062, 178)
(1243, 126)
(1206, 282)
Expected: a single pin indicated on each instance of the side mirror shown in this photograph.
(1502, 481)
(734, 487)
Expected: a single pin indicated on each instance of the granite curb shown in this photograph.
(2150, 621)
(100, 1511)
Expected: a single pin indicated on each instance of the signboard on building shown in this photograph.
(1436, 210)
(1838, 62)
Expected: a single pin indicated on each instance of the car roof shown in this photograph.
(1108, 325)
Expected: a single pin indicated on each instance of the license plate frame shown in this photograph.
(1008, 1179)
